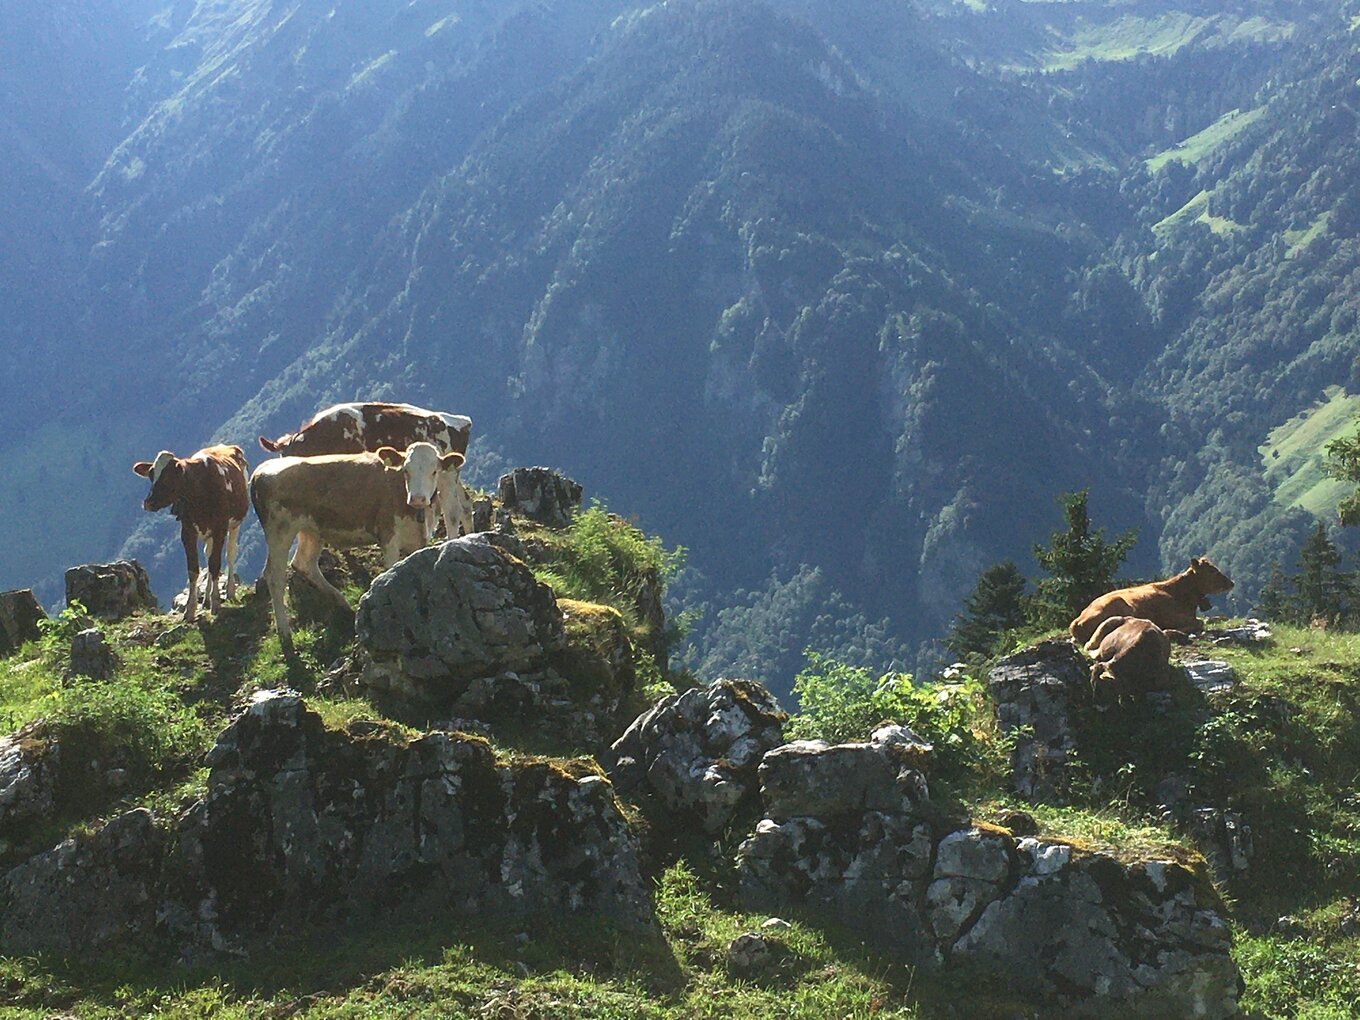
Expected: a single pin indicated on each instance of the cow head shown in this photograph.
(1209, 580)
(425, 469)
(167, 479)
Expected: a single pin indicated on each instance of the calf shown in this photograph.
(1132, 656)
(344, 500)
(1171, 604)
(368, 427)
(206, 493)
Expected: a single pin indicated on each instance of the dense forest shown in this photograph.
(841, 297)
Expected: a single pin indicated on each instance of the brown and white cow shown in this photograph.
(1131, 656)
(343, 500)
(1171, 604)
(206, 493)
(369, 426)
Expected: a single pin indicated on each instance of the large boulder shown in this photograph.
(30, 770)
(458, 611)
(850, 834)
(110, 591)
(692, 758)
(20, 613)
(541, 494)
(1037, 692)
(304, 825)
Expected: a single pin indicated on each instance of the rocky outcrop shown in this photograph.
(303, 825)
(30, 767)
(110, 591)
(541, 494)
(692, 758)
(464, 630)
(20, 613)
(91, 655)
(1037, 692)
(851, 834)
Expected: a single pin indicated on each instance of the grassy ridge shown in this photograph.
(1293, 453)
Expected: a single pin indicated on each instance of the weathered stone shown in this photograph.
(20, 613)
(448, 621)
(1250, 632)
(1211, 675)
(91, 892)
(91, 655)
(110, 591)
(692, 757)
(1036, 691)
(481, 514)
(1224, 839)
(306, 825)
(540, 494)
(30, 764)
(749, 954)
(811, 777)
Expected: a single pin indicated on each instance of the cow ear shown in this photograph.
(390, 456)
(143, 468)
(1197, 561)
(451, 460)
(269, 444)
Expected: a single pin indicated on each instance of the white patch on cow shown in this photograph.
(421, 466)
(457, 422)
(221, 469)
(162, 460)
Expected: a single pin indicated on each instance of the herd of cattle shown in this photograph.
(355, 474)
(374, 473)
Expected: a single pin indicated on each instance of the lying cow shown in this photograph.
(368, 427)
(1171, 604)
(206, 493)
(344, 500)
(1132, 657)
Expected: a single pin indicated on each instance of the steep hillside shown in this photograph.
(837, 278)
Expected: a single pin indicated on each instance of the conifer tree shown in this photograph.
(1275, 602)
(996, 605)
(1323, 591)
(1079, 562)
(1343, 462)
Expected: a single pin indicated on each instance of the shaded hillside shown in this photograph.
(822, 288)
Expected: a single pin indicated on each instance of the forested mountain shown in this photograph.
(840, 296)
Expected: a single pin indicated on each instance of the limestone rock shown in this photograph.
(540, 494)
(91, 656)
(91, 892)
(306, 825)
(1036, 691)
(749, 954)
(110, 591)
(1211, 675)
(454, 614)
(20, 612)
(693, 756)
(30, 764)
(813, 778)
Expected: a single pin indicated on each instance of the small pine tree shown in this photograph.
(997, 605)
(1323, 591)
(1276, 603)
(1080, 563)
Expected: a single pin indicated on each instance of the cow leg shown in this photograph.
(276, 577)
(305, 562)
(232, 529)
(215, 543)
(189, 537)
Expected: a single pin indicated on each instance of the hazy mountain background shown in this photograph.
(840, 296)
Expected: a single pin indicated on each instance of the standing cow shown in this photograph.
(368, 427)
(206, 493)
(344, 500)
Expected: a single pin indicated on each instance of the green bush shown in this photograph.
(607, 560)
(839, 702)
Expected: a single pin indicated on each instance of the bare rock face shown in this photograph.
(1036, 692)
(692, 758)
(91, 655)
(541, 494)
(850, 833)
(30, 767)
(20, 612)
(110, 591)
(303, 825)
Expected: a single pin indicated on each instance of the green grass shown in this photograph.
(1292, 455)
(1198, 146)
(1196, 211)
(1095, 35)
